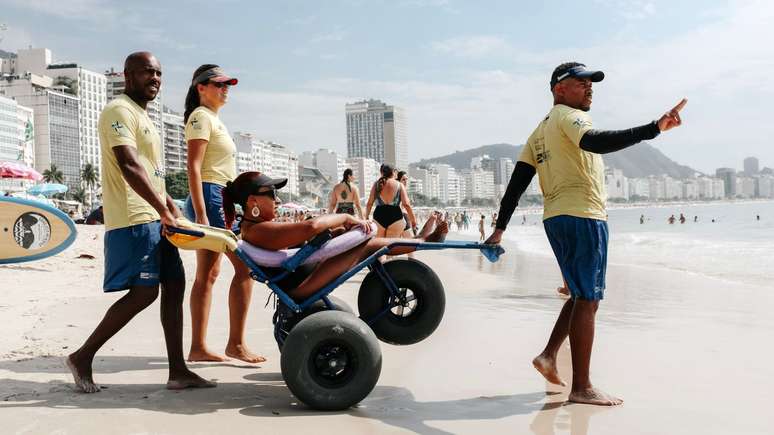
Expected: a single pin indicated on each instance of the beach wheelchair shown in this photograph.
(330, 358)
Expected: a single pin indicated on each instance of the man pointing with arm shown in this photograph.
(565, 151)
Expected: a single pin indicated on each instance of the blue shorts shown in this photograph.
(140, 256)
(580, 247)
(213, 204)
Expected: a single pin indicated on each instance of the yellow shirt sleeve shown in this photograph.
(575, 124)
(199, 126)
(526, 155)
(120, 127)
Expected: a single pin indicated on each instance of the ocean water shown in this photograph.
(736, 247)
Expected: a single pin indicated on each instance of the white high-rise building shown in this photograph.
(90, 87)
(366, 172)
(429, 181)
(479, 183)
(616, 184)
(56, 125)
(175, 147)
(377, 131)
(639, 188)
(449, 191)
(284, 164)
(16, 132)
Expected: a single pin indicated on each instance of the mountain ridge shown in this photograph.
(639, 161)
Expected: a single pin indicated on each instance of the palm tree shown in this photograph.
(89, 178)
(78, 195)
(53, 175)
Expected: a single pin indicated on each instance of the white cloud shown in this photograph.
(476, 46)
(333, 36)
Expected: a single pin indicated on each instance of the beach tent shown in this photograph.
(18, 170)
(47, 189)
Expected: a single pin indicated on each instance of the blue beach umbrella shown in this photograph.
(47, 189)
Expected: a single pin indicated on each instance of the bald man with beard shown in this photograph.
(137, 210)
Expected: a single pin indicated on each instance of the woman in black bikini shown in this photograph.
(388, 194)
(345, 197)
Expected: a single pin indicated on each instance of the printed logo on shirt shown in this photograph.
(543, 156)
(119, 128)
(581, 123)
(195, 124)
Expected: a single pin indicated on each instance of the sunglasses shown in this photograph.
(270, 193)
(219, 84)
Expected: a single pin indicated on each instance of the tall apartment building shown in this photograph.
(366, 172)
(451, 188)
(503, 169)
(175, 147)
(90, 87)
(479, 183)
(72, 79)
(377, 131)
(728, 175)
(16, 132)
(751, 166)
(616, 184)
(56, 117)
(428, 181)
(273, 159)
(284, 164)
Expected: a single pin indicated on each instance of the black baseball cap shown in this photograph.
(264, 180)
(577, 70)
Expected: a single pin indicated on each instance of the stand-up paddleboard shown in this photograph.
(31, 230)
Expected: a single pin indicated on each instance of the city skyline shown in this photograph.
(465, 74)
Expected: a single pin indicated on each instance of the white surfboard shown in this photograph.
(31, 230)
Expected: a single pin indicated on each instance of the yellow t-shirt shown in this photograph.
(219, 164)
(572, 180)
(123, 122)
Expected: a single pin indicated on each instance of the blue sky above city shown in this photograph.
(467, 73)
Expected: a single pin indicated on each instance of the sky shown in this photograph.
(467, 73)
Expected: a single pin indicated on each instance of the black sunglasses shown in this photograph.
(219, 84)
(270, 193)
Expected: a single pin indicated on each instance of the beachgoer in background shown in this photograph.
(389, 194)
(494, 220)
(696, 219)
(481, 229)
(566, 152)
(137, 211)
(757, 217)
(465, 220)
(523, 219)
(211, 166)
(408, 231)
(642, 219)
(345, 197)
(671, 219)
(682, 218)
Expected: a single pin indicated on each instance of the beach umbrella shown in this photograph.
(18, 170)
(47, 189)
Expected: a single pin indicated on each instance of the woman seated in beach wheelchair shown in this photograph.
(330, 358)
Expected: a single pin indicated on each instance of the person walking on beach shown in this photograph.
(682, 218)
(211, 166)
(137, 212)
(481, 229)
(391, 199)
(642, 219)
(566, 151)
(345, 197)
(671, 220)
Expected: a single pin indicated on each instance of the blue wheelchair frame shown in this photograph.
(492, 252)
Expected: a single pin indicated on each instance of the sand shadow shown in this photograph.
(561, 415)
(109, 364)
(397, 406)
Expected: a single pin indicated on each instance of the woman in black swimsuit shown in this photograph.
(388, 194)
(345, 197)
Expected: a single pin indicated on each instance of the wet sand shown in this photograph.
(687, 354)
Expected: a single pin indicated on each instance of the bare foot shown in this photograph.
(205, 355)
(81, 375)
(563, 290)
(188, 379)
(427, 228)
(241, 353)
(592, 396)
(547, 367)
(440, 232)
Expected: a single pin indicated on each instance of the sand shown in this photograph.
(687, 354)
